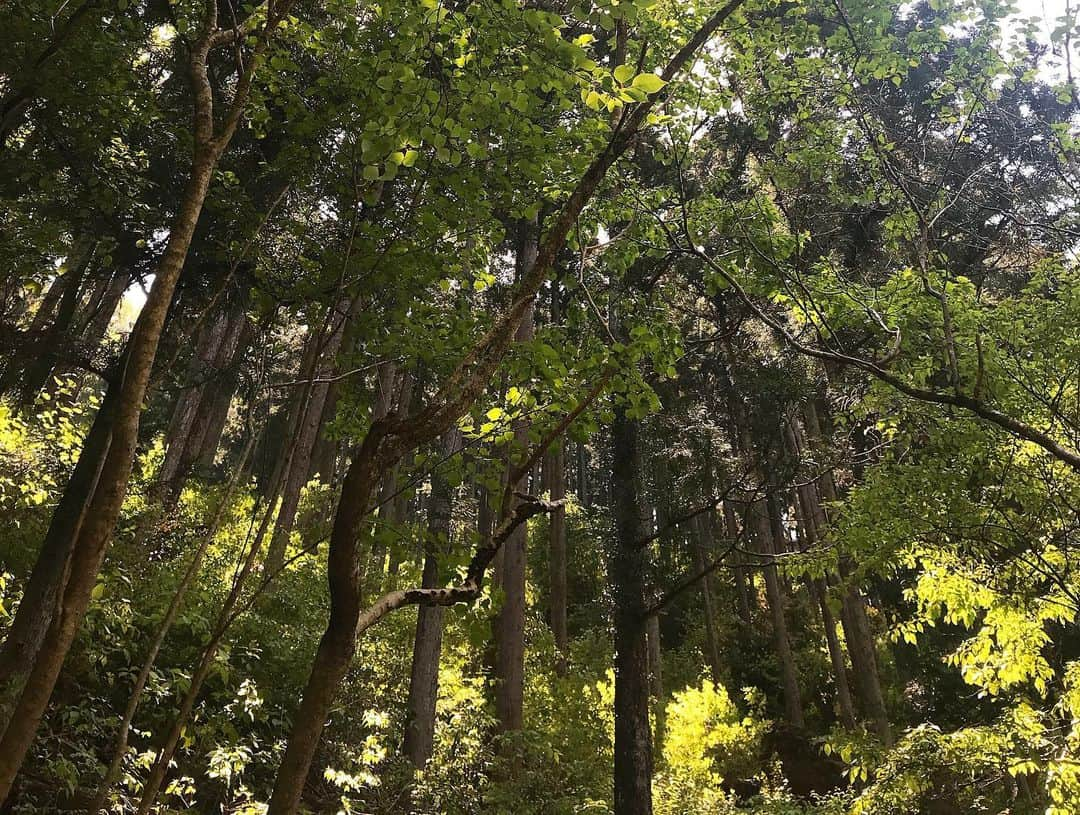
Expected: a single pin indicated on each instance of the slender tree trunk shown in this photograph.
(743, 579)
(793, 710)
(701, 535)
(627, 569)
(555, 476)
(33, 376)
(853, 617)
(510, 622)
(555, 467)
(811, 526)
(98, 324)
(214, 413)
(112, 772)
(226, 614)
(324, 457)
(582, 471)
(198, 380)
(656, 663)
(85, 534)
(844, 705)
(310, 410)
(427, 645)
(860, 642)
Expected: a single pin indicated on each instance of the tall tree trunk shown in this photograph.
(626, 571)
(744, 590)
(338, 644)
(845, 708)
(427, 645)
(555, 476)
(702, 537)
(759, 519)
(656, 662)
(555, 469)
(774, 593)
(860, 642)
(33, 374)
(853, 617)
(112, 771)
(510, 623)
(582, 472)
(811, 526)
(324, 457)
(323, 345)
(79, 536)
(197, 381)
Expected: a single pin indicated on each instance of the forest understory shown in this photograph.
(546, 407)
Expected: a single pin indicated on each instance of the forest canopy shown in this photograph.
(539, 407)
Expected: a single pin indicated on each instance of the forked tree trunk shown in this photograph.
(427, 645)
(626, 571)
(338, 644)
(385, 443)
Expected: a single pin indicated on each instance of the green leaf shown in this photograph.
(650, 83)
(624, 73)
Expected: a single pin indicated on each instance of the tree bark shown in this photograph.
(712, 644)
(853, 617)
(338, 643)
(555, 468)
(845, 708)
(112, 771)
(83, 534)
(743, 578)
(582, 472)
(386, 442)
(627, 570)
(774, 593)
(310, 405)
(427, 645)
(860, 642)
(509, 631)
(84, 541)
(29, 374)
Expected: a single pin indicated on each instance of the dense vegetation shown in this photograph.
(459, 406)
